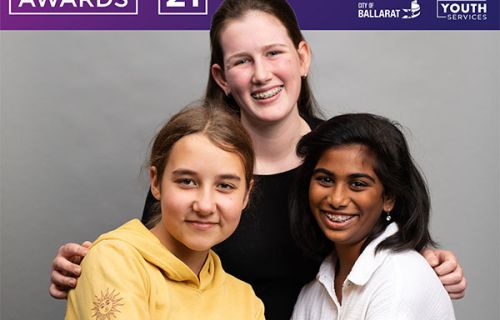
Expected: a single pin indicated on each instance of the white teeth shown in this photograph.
(338, 218)
(267, 94)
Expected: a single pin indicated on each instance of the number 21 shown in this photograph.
(180, 4)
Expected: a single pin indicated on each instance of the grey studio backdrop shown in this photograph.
(78, 110)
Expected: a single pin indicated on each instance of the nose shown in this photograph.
(261, 73)
(338, 198)
(204, 204)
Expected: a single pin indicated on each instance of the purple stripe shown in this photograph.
(196, 14)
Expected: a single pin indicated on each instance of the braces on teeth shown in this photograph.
(337, 218)
(268, 94)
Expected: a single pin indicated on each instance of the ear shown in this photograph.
(247, 195)
(220, 78)
(155, 186)
(389, 202)
(304, 52)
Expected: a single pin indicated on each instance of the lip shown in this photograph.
(338, 225)
(275, 92)
(201, 225)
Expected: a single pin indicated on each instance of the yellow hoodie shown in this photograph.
(129, 274)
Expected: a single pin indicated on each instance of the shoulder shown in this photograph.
(113, 262)
(236, 285)
(244, 296)
(313, 302)
(407, 271)
(111, 249)
(120, 245)
(110, 245)
(311, 292)
(112, 258)
(313, 122)
(408, 268)
(316, 297)
(112, 272)
(412, 287)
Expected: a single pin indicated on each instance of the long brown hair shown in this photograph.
(235, 9)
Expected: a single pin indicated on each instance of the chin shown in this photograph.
(199, 245)
(269, 113)
(202, 245)
(272, 116)
(338, 238)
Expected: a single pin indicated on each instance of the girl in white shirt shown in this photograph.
(362, 206)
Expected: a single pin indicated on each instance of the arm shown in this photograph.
(448, 269)
(66, 269)
(113, 284)
(66, 265)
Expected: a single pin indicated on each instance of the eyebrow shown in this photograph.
(269, 46)
(362, 175)
(353, 175)
(230, 177)
(264, 48)
(225, 176)
(180, 172)
(321, 170)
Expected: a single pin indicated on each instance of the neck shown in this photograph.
(275, 142)
(347, 256)
(193, 259)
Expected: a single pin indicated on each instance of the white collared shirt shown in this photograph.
(387, 285)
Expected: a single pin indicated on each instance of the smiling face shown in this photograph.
(262, 67)
(202, 193)
(345, 195)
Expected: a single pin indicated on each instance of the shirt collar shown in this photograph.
(368, 261)
(365, 265)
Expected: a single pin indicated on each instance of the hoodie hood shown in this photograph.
(153, 251)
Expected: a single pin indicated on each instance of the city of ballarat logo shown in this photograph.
(368, 10)
(107, 305)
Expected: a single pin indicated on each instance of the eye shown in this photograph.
(242, 61)
(324, 180)
(273, 53)
(186, 182)
(226, 187)
(358, 185)
(239, 61)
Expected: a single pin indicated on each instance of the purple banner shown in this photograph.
(196, 14)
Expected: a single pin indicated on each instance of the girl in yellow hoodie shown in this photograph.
(201, 168)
